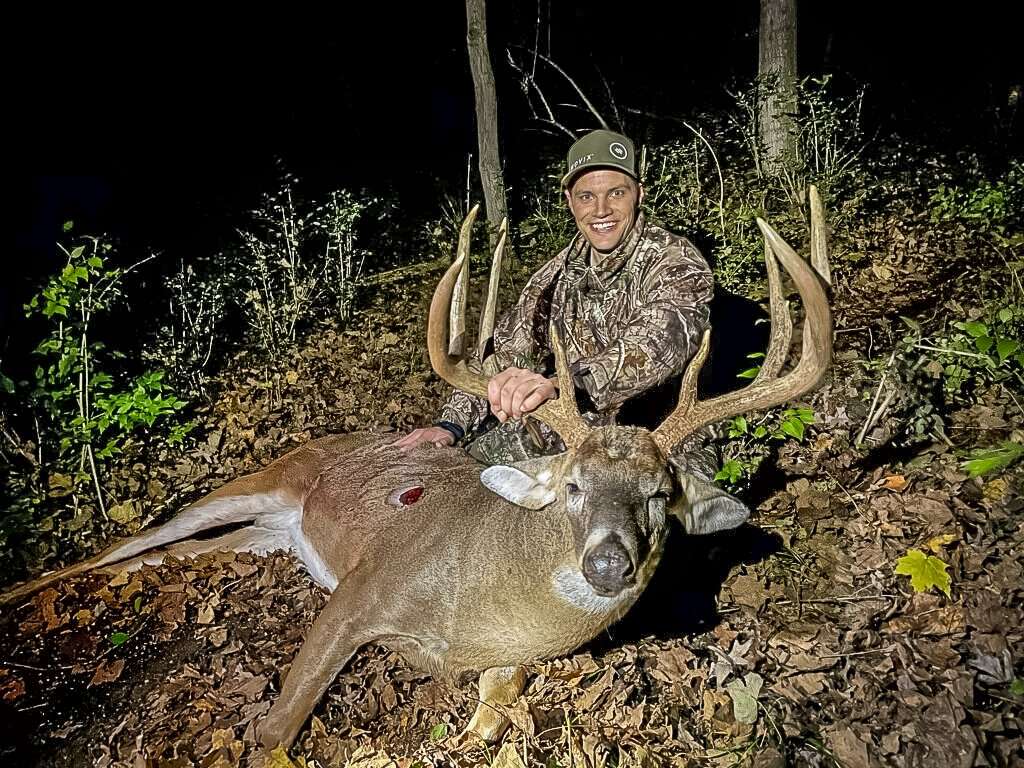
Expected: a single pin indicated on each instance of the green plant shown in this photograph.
(985, 461)
(84, 412)
(296, 255)
(973, 353)
(752, 443)
(987, 207)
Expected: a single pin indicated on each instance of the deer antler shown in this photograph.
(766, 391)
(561, 414)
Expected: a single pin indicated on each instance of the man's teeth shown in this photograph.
(603, 227)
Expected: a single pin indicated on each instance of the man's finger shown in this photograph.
(526, 387)
(540, 395)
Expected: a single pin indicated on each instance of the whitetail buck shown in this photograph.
(489, 569)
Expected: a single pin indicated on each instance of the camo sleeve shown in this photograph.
(515, 344)
(660, 335)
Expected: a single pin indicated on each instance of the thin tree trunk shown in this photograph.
(486, 114)
(777, 75)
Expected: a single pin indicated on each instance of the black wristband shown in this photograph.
(456, 431)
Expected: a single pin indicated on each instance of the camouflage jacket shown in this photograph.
(630, 325)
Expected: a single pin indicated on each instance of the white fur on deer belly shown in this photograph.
(573, 588)
(287, 516)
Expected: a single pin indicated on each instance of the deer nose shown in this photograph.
(608, 567)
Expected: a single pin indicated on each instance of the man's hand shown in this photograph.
(516, 391)
(439, 436)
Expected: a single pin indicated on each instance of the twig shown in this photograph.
(869, 422)
(843, 489)
(856, 653)
(952, 351)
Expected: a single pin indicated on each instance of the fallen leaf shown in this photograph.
(744, 697)
(936, 543)
(123, 513)
(508, 757)
(924, 571)
(895, 483)
(107, 672)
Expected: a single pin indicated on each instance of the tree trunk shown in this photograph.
(486, 114)
(777, 76)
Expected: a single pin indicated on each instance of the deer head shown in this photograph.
(616, 484)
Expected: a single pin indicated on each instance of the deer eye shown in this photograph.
(572, 488)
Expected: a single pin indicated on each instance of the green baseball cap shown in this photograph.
(600, 149)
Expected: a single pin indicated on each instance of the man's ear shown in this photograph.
(529, 484)
(704, 507)
(639, 193)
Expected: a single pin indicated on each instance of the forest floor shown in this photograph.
(790, 641)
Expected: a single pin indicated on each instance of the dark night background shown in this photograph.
(158, 130)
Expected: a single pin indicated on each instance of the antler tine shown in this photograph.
(561, 414)
(460, 297)
(447, 365)
(819, 237)
(490, 306)
(780, 318)
(691, 414)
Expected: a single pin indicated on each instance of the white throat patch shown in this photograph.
(573, 588)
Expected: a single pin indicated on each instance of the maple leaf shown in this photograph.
(924, 571)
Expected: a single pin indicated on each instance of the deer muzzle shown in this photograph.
(608, 566)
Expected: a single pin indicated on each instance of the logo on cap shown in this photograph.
(617, 150)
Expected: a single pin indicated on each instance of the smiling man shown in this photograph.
(630, 300)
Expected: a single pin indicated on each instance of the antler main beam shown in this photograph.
(561, 414)
(691, 414)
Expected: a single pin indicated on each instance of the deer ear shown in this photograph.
(528, 484)
(706, 508)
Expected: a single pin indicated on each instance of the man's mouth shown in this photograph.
(603, 226)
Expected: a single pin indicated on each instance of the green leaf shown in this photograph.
(744, 697)
(438, 732)
(76, 253)
(793, 427)
(118, 638)
(911, 324)
(925, 571)
(6, 384)
(983, 343)
(731, 470)
(1017, 687)
(749, 373)
(984, 462)
(68, 225)
(1006, 347)
(1005, 314)
(975, 328)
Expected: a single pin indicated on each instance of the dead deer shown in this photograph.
(490, 568)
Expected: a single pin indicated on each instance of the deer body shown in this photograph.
(488, 568)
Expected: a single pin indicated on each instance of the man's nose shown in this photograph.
(603, 208)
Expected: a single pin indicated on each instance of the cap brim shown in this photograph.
(568, 178)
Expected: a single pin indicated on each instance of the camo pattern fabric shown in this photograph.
(629, 324)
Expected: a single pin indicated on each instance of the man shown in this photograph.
(630, 300)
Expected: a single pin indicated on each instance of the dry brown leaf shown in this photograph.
(597, 690)
(205, 615)
(11, 687)
(895, 483)
(107, 672)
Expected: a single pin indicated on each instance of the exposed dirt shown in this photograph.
(796, 622)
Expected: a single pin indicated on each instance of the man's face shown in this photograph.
(604, 204)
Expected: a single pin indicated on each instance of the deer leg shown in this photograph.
(338, 632)
(499, 688)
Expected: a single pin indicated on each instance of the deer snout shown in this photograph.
(608, 566)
